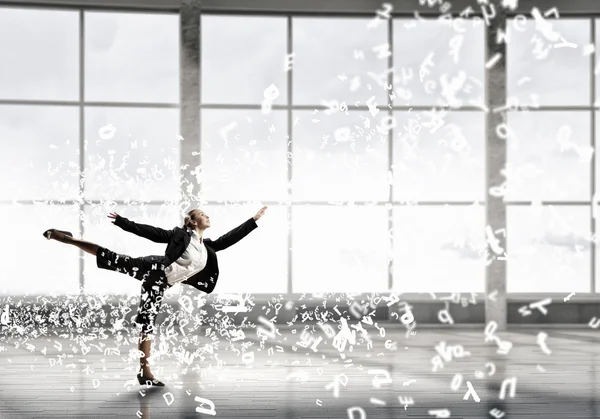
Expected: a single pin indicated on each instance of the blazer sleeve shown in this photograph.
(234, 236)
(157, 235)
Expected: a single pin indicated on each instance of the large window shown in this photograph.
(82, 133)
(305, 113)
(550, 186)
(40, 145)
(334, 133)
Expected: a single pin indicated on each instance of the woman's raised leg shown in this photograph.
(87, 247)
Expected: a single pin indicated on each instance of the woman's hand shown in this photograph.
(260, 213)
(113, 215)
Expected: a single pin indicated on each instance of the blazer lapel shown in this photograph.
(188, 237)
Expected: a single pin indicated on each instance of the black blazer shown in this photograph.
(178, 240)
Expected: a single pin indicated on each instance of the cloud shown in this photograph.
(463, 250)
(569, 153)
(569, 240)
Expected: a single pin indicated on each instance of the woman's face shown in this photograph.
(202, 220)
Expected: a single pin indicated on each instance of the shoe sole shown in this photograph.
(48, 233)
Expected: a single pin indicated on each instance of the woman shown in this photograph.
(189, 259)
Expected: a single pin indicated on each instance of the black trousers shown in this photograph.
(147, 269)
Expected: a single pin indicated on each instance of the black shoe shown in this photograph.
(154, 382)
(48, 233)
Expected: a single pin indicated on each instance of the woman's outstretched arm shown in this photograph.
(238, 233)
(157, 235)
(234, 236)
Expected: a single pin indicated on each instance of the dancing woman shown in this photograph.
(189, 259)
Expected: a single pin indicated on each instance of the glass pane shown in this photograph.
(99, 229)
(259, 262)
(439, 156)
(137, 159)
(328, 64)
(39, 52)
(542, 69)
(341, 156)
(439, 249)
(330, 255)
(548, 249)
(56, 264)
(597, 197)
(549, 156)
(131, 57)
(40, 152)
(241, 57)
(446, 55)
(596, 67)
(244, 155)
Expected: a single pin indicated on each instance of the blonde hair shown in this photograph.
(188, 219)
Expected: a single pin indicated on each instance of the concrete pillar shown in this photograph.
(189, 84)
(495, 281)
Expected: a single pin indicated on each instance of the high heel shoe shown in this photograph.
(154, 382)
(48, 233)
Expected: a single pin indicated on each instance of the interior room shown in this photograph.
(299, 209)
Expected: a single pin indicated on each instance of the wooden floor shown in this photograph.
(288, 384)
